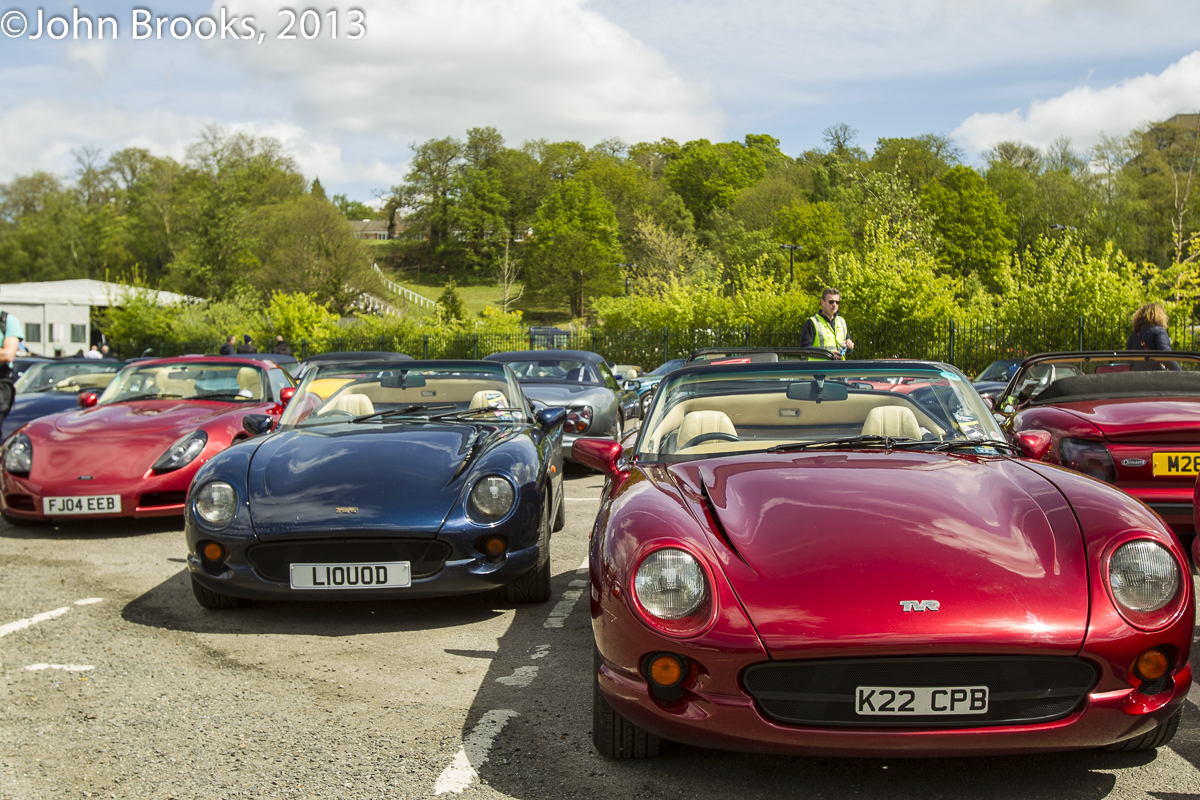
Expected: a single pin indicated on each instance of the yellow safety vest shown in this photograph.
(829, 337)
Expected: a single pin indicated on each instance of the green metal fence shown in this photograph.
(970, 347)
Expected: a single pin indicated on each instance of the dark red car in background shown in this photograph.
(1131, 419)
(791, 560)
(132, 450)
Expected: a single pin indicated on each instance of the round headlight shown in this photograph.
(492, 497)
(216, 503)
(670, 583)
(18, 455)
(1144, 576)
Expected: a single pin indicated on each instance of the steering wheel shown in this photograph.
(711, 436)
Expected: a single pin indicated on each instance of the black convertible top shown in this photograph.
(1119, 385)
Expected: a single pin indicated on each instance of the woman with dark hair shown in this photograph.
(1149, 329)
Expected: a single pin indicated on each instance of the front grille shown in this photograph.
(158, 499)
(1020, 690)
(272, 560)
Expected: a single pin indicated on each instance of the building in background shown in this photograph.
(57, 315)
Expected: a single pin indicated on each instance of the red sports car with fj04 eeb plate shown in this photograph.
(132, 451)
(790, 560)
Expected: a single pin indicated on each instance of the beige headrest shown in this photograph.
(250, 379)
(168, 385)
(698, 423)
(488, 398)
(356, 404)
(894, 421)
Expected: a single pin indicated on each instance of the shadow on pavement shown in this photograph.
(171, 606)
(546, 750)
(92, 528)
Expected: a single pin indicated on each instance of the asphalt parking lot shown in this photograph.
(117, 684)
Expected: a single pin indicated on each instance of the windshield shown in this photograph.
(670, 366)
(1099, 377)
(791, 406)
(472, 392)
(555, 370)
(66, 377)
(999, 370)
(227, 382)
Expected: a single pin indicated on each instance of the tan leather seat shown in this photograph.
(894, 421)
(168, 385)
(250, 379)
(698, 423)
(355, 404)
(488, 398)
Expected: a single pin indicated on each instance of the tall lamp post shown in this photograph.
(627, 268)
(792, 248)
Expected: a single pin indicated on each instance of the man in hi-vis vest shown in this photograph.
(827, 329)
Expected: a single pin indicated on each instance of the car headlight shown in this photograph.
(182, 453)
(492, 497)
(216, 503)
(1090, 458)
(18, 455)
(1144, 576)
(670, 584)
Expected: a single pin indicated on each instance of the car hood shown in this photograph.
(31, 406)
(558, 394)
(398, 477)
(148, 416)
(830, 546)
(1141, 419)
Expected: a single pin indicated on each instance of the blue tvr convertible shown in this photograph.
(383, 480)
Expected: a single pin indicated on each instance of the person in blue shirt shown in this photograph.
(14, 334)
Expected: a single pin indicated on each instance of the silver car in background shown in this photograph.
(578, 381)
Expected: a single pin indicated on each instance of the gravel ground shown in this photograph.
(376, 700)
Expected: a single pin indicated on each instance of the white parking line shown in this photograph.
(521, 677)
(22, 624)
(64, 667)
(462, 771)
(563, 609)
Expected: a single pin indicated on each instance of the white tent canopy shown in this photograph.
(57, 314)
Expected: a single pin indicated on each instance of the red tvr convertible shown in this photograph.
(1131, 419)
(132, 451)
(791, 560)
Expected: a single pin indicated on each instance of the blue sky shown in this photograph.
(979, 70)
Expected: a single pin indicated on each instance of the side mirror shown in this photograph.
(550, 418)
(599, 454)
(632, 386)
(88, 399)
(1034, 445)
(286, 394)
(256, 424)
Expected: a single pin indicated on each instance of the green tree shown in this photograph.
(971, 224)
(709, 176)
(575, 249)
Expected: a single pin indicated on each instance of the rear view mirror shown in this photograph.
(408, 379)
(817, 391)
(256, 424)
(550, 418)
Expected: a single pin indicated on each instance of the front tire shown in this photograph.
(534, 585)
(560, 517)
(1159, 737)
(214, 601)
(614, 736)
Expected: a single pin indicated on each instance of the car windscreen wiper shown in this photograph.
(888, 442)
(148, 396)
(402, 412)
(953, 443)
(230, 393)
(470, 412)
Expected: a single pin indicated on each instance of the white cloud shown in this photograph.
(43, 134)
(428, 68)
(1084, 113)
